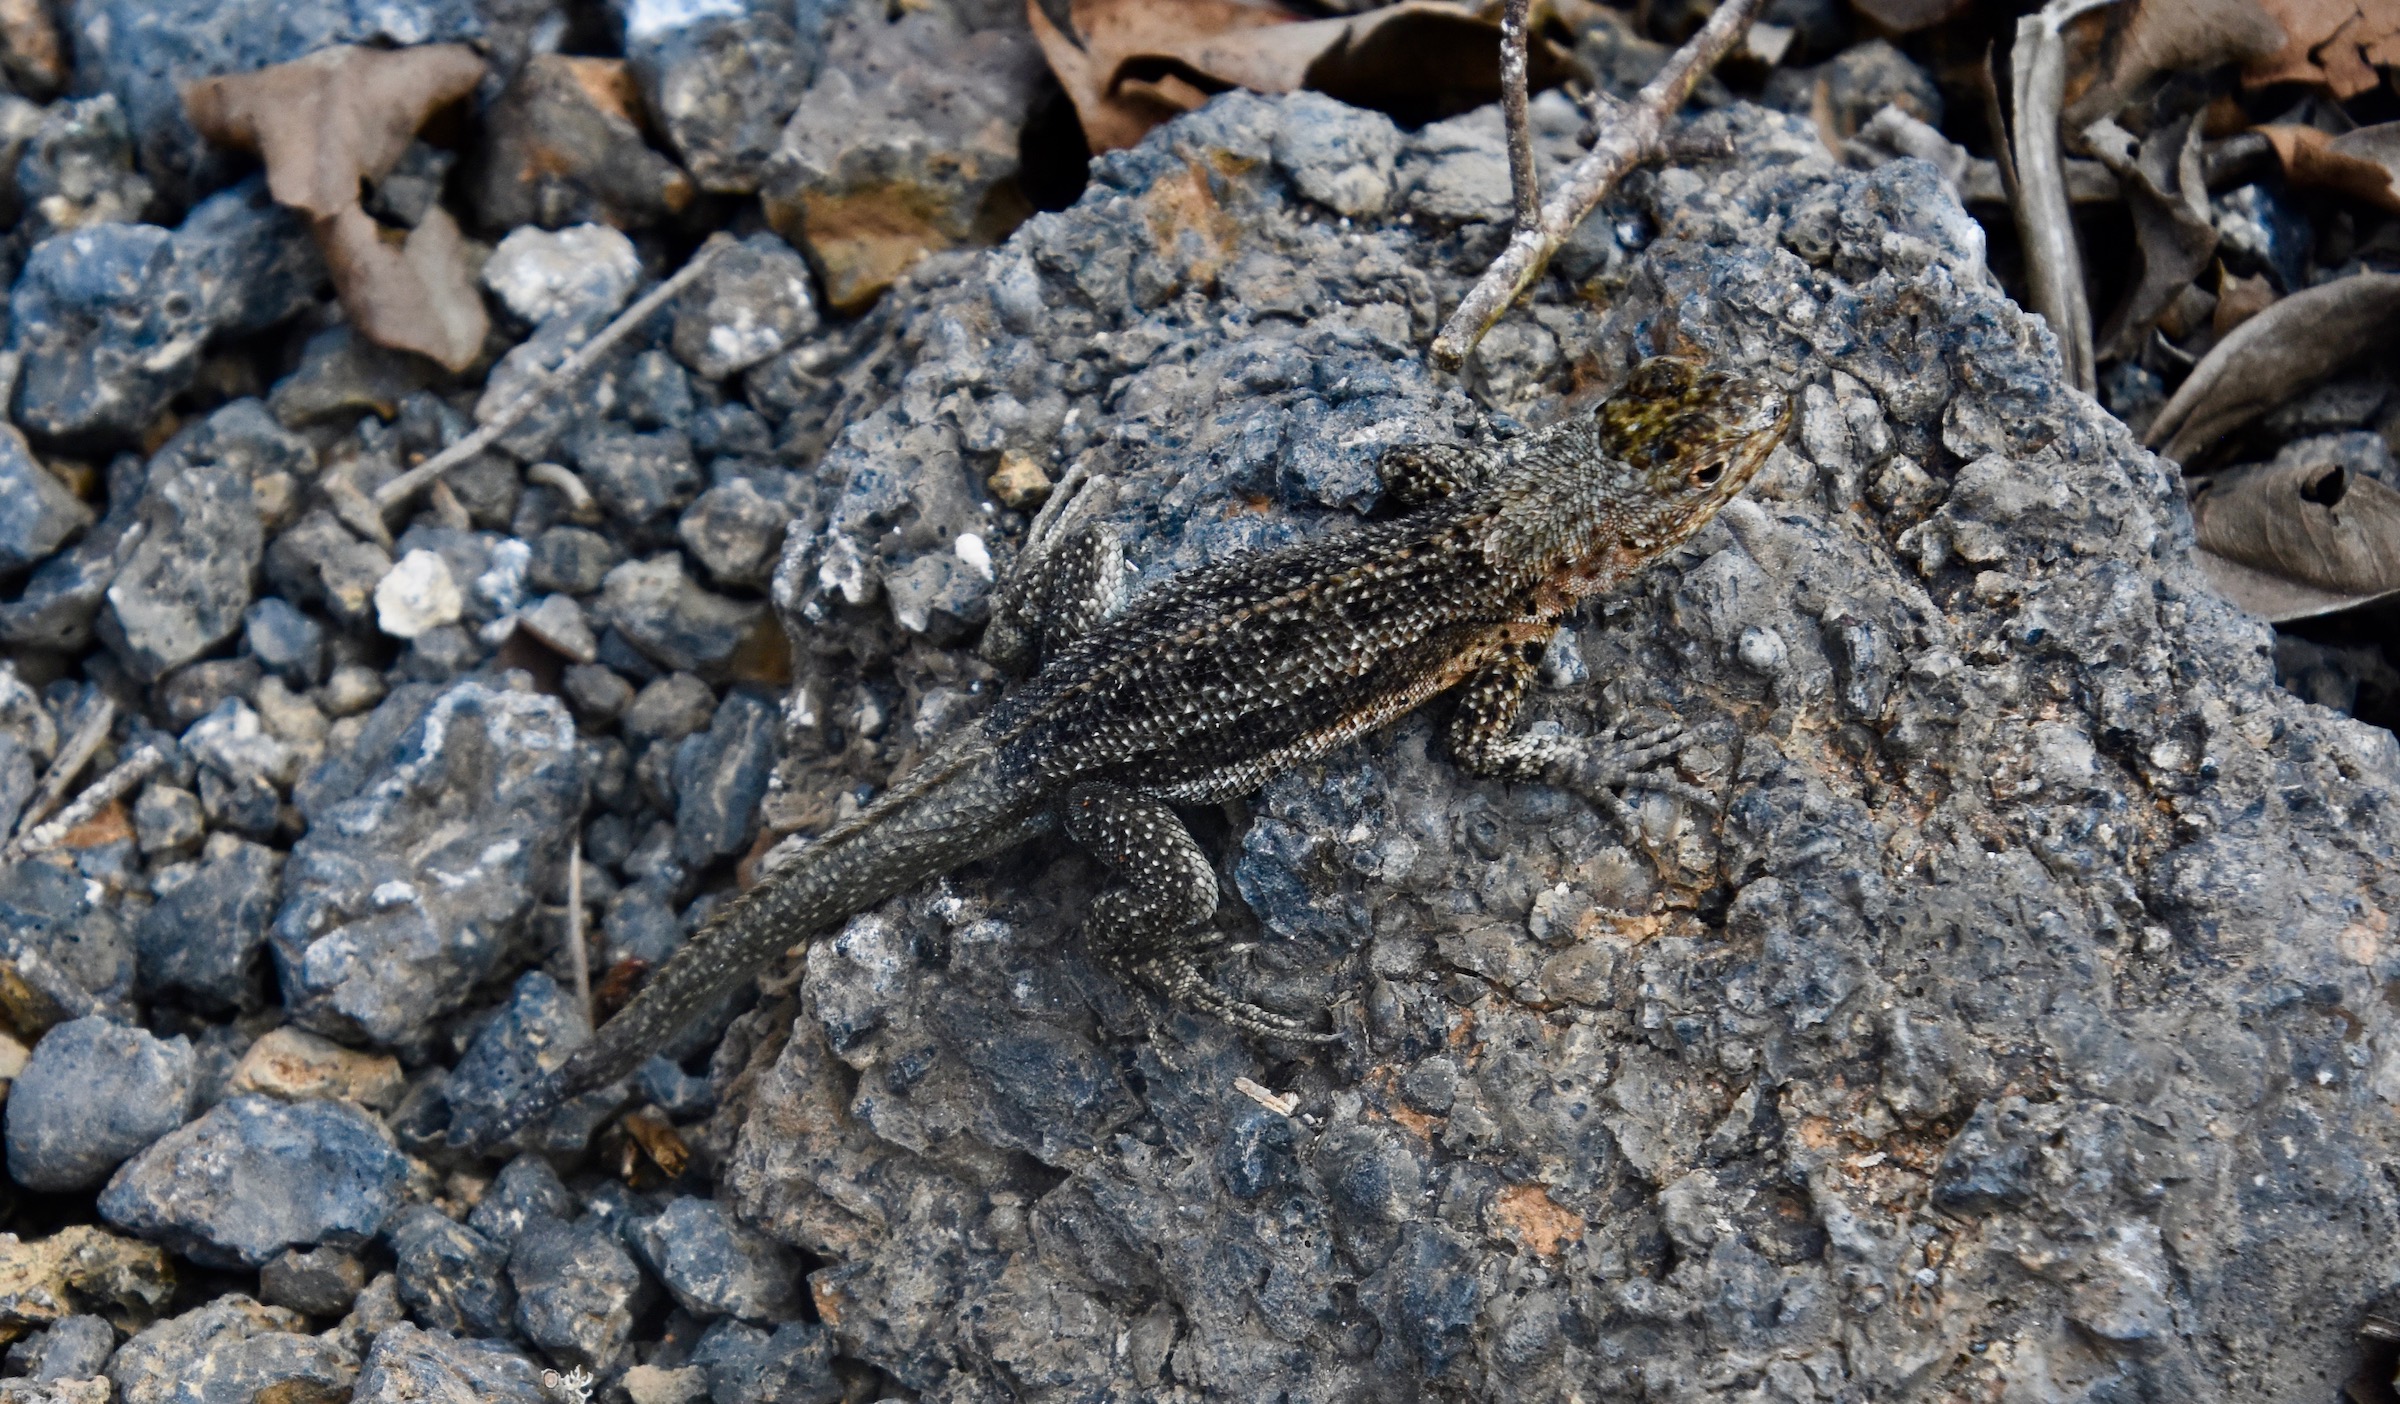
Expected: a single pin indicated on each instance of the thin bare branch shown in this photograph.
(1633, 134)
(119, 781)
(2053, 262)
(1515, 36)
(578, 959)
(89, 733)
(407, 485)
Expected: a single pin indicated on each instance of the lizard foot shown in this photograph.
(1180, 979)
(1606, 771)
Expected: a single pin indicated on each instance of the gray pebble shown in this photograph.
(94, 1093)
(717, 1266)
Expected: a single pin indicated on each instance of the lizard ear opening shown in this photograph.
(1707, 474)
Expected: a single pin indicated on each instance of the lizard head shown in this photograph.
(1601, 498)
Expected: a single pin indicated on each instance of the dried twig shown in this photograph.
(401, 488)
(1631, 134)
(1514, 109)
(120, 779)
(2053, 263)
(89, 733)
(578, 959)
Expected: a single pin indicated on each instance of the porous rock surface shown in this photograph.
(2021, 1017)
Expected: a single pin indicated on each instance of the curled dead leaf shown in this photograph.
(1129, 65)
(2364, 164)
(2168, 197)
(2334, 44)
(2273, 356)
(325, 122)
(415, 293)
(2154, 37)
(2290, 540)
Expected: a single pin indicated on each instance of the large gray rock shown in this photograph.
(2020, 1025)
(256, 1176)
(428, 844)
(231, 1349)
(409, 1366)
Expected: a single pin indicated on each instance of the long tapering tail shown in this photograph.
(964, 804)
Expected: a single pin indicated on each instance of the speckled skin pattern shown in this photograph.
(1207, 686)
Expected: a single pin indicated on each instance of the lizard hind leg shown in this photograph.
(1150, 922)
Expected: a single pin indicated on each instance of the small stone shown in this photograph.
(78, 169)
(577, 1291)
(343, 375)
(748, 1366)
(410, 1366)
(901, 146)
(88, 1391)
(557, 622)
(197, 689)
(295, 1065)
(451, 1276)
(672, 620)
(563, 146)
(75, 1348)
(1019, 482)
(679, 1094)
(570, 560)
(586, 271)
(670, 708)
(598, 695)
(352, 689)
(735, 532)
(94, 1093)
(318, 1282)
(166, 818)
(637, 477)
(37, 512)
(721, 81)
(293, 719)
(256, 1176)
(525, 1189)
(1340, 156)
(285, 641)
(717, 1266)
(57, 604)
(418, 596)
(657, 392)
(640, 924)
(70, 950)
(80, 1269)
(203, 934)
(720, 777)
(232, 1348)
(531, 1035)
(753, 302)
(648, 1384)
(480, 784)
(319, 560)
(183, 590)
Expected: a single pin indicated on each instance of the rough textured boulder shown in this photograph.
(2022, 1016)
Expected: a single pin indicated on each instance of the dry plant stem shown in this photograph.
(1514, 101)
(1631, 135)
(578, 959)
(68, 764)
(401, 488)
(120, 780)
(2053, 263)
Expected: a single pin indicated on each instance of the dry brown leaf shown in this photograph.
(2275, 355)
(2239, 299)
(2335, 44)
(414, 294)
(327, 121)
(1908, 16)
(2301, 538)
(2158, 37)
(1132, 64)
(2168, 198)
(2364, 164)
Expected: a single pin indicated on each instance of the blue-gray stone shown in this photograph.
(207, 927)
(93, 1093)
(671, 619)
(412, 1366)
(65, 937)
(144, 50)
(37, 512)
(451, 1276)
(746, 1365)
(531, 1034)
(230, 1349)
(525, 1189)
(256, 1176)
(720, 776)
(718, 1266)
(476, 783)
(577, 1291)
(73, 1348)
(672, 1090)
(285, 641)
(640, 924)
(59, 600)
(637, 477)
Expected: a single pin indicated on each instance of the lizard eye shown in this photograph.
(1706, 475)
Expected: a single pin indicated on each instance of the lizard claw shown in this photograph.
(1181, 981)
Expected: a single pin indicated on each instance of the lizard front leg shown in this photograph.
(1485, 741)
(1148, 923)
(1070, 579)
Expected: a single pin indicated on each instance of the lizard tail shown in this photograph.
(917, 832)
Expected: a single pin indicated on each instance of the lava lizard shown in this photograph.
(1203, 688)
